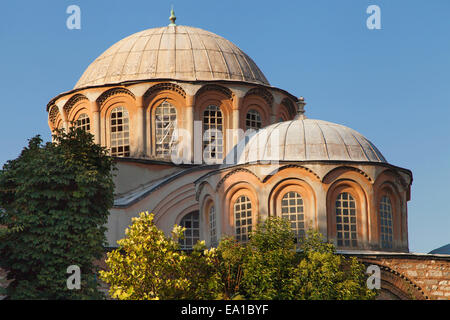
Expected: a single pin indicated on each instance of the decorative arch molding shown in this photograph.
(73, 101)
(289, 105)
(229, 174)
(214, 87)
(264, 93)
(200, 189)
(329, 179)
(53, 114)
(289, 166)
(396, 177)
(112, 92)
(398, 284)
(162, 87)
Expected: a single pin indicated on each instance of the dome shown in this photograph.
(173, 52)
(305, 140)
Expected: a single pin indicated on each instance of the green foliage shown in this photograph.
(55, 199)
(149, 265)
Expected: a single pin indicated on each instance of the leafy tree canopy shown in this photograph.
(55, 199)
(150, 265)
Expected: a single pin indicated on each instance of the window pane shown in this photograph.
(119, 133)
(292, 210)
(346, 220)
(242, 218)
(192, 232)
(386, 230)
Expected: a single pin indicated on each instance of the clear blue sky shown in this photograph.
(392, 85)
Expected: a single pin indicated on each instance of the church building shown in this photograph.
(203, 140)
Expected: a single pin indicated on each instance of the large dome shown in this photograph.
(305, 140)
(173, 52)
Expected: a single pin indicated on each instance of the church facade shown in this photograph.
(202, 140)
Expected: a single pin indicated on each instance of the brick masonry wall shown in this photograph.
(430, 273)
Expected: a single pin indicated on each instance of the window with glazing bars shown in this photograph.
(192, 231)
(212, 225)
(120, 133)
(292, 210)
(213, 133)
(253, 120)
(243, 218)
(84, 122)
(386, 229)
(165, 124)
(346, 226)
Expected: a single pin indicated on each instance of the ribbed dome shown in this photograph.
(303, 140)
(173, 52)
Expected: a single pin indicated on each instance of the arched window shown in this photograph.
(346, 220)
(165, 124)
(84, 122)
(243, 218)
(386, 229)
(292, 210)
(253, 120)
(192, 232)
(212, 225)
(213, 133)
(120, 132)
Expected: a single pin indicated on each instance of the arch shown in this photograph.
(304, 189)
(230, 197)
(263, 93)
(53, 114)
(290, 106)
(74, 100)
(112, 92)
(290, 166)
(229, 174)
(357, 192)
(165, 86)
(336, 172)
(214, 87)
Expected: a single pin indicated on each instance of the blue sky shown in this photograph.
(392, 85)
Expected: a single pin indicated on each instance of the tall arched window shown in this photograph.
(346, 220)
(120, 132)
(253, 120)
(84, 122)
(386, 229)
(192, 232)
(165, 124)
(243, 218)
(292, 210)
(212, 225)
(213, 133)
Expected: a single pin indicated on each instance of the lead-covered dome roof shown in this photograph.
(305, 140)
(172, 52)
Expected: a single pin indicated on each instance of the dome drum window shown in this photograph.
(213, 134)
(346, 226)
(120, 133)
(83, 122)
(165, 125)
(253, 120)
(386, 228)
(292, 210)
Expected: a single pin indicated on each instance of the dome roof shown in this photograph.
(173, 52)
(305, 140)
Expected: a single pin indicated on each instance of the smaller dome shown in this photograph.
(305, 140)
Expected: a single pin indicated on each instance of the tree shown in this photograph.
(150, 265)
(55, 199)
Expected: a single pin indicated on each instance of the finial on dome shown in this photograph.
(301, 108)
(172, 18)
